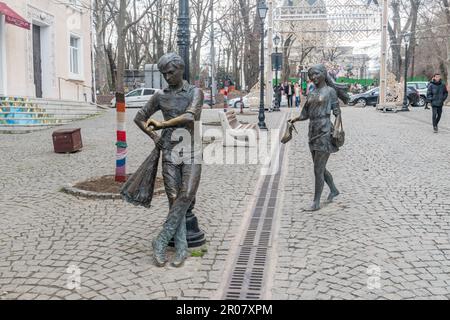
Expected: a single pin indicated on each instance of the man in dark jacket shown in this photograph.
(288, 89)
(436, 95)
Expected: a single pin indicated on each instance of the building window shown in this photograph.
(75, 55)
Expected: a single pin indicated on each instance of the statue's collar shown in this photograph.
(184, 87)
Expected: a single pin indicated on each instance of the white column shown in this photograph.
(269, 73)
(3, 75)
(383, 56)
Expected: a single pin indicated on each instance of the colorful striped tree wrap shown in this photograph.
(121, 155)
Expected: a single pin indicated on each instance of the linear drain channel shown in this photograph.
(248, 274)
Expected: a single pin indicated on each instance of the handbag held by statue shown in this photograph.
(338, 137)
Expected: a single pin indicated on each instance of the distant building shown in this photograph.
(45, 49)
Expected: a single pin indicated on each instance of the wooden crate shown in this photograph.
(67, 140)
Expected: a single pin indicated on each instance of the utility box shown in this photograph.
(67, 140)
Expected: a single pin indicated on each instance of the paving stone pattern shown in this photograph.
(44, 231)
(387, 234)
(385, 237)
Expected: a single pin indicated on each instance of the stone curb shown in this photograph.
(70, 189)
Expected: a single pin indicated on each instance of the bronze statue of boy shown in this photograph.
(181, 105)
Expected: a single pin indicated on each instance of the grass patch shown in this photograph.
(199, 253)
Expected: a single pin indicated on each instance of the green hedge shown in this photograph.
(363, 82)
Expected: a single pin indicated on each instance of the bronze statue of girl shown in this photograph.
(318, 107)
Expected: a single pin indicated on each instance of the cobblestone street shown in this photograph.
(44, 231)
(385, 236)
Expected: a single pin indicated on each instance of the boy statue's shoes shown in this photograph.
(179, 259)
(158, 254)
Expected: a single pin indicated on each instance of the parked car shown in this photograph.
(370, 98)
(136, 98)
(236, 102)
(422, 87)
(250, 100)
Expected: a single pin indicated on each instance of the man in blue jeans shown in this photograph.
(436, 95)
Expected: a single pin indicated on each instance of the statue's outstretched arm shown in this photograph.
(304, 115)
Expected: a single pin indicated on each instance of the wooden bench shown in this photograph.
(236, 133)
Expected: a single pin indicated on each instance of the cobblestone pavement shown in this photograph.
(387, 234)
(44, 231)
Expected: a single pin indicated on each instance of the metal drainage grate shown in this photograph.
(247, 278)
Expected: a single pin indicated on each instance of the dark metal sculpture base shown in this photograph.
(195, 237)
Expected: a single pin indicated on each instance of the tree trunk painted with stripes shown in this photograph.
(121, 155)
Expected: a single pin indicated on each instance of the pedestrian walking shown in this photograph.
(298, 92)
(278, 93)
(436, 95)
(289, 92)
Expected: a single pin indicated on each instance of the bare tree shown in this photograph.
(332, 53)
(232, 30)
(201, 13)
(101, 22)
(287, 47)
(446, 7)
(432, 55)
(122, 27)
(252, 41)
(408, 10)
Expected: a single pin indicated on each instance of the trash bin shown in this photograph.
(67, 140)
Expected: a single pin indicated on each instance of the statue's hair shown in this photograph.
(341, 90)
(170, 58)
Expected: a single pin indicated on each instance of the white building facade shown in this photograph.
(45, 49)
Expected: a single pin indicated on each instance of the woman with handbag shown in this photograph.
(324, 138)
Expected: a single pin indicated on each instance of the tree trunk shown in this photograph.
(100, 52)
(251, 49)
(447, 15)
(121, 47)
(112, 65)
(286, 54)
(413, 42)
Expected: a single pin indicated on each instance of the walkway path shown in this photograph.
(386, 236)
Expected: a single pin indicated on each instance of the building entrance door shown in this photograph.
(37, 63)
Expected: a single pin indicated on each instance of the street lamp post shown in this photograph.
(194, 236)
(276, 41)
(262, 11)
(183, 35)
(405, 87)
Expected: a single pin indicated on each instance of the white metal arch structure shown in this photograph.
(329, 20)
